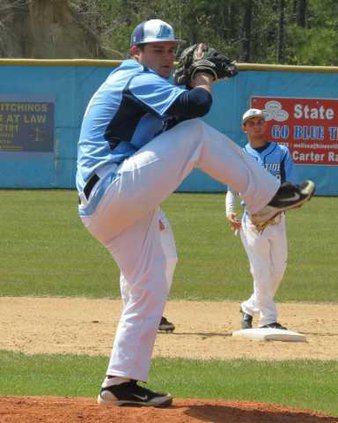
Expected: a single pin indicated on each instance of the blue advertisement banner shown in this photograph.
(26, 124)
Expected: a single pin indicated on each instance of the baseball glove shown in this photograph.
(272, 221)
(202, 58)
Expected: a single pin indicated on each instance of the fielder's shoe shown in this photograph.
(130, 393)
(288, 197)
(165, 325)
(246, 321)
(274, 325)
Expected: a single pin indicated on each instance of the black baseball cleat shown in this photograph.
(130, 393)
(246, 321)
(288, 197)
(165, 325)
(274, 325)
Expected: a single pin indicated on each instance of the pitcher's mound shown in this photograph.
(85, 410)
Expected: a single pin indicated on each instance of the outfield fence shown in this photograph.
(42, 103)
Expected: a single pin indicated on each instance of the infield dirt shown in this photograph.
(203, 329)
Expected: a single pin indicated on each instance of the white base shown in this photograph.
(265, 334)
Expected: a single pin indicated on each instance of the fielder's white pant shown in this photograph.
(267, 254)
(169, 250)
(126, 222)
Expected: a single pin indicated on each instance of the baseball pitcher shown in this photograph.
(140, 137)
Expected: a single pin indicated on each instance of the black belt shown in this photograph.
(90, 185)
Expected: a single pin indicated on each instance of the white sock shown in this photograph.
(116, 380)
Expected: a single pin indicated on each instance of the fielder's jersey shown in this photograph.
(276, 159)
(126, 112)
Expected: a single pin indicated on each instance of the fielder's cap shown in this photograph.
(153, 31)
(252, 113)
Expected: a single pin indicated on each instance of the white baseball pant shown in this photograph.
(267, 254)
(126, 222)
(169, 248)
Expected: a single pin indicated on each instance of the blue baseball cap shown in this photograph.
(153, 31)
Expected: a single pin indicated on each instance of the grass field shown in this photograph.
(313, 387)
(45, 251)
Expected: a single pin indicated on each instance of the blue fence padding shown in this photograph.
(71, 87)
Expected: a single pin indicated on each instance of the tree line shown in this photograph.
(294, 32)
(303, 32)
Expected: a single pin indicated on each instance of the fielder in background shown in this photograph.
(169, 248)
(267, 249)
(140, 137)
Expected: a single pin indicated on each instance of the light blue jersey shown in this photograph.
(126, 112)
(276, 159)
